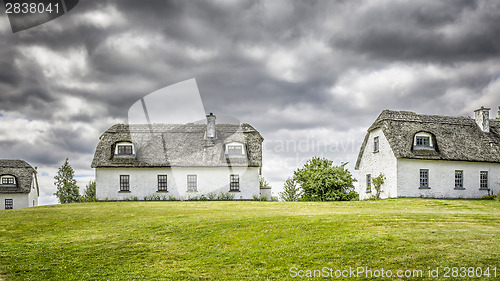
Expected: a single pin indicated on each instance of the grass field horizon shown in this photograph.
(246, 240)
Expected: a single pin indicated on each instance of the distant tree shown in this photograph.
(67, 190)
(320, 180)
(291, 192)
(377, 183)
(498, 113)
(89, 193)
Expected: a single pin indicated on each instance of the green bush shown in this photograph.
(291, 192)
(225, 196)
(212, 196)
(320, 180)
(256, 197)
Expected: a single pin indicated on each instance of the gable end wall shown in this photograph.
(375, 163)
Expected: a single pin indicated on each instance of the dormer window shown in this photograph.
(7, 180)
(235, 149)
(423, 140)
(124, 149)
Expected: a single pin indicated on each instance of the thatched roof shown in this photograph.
(457, 138)
(174, 145)
(22, 171)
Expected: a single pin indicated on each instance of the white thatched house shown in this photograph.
(182, 161)
(18, 185)
(431, 156)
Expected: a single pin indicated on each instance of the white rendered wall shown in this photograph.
(20, 200)
(144, 182)
(266, 192)
(33, 195)
(375, 163)
(442, 178)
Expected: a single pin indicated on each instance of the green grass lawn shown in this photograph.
(247, 240)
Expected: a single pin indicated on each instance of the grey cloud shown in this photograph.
(414, 31)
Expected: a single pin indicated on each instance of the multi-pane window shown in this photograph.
(234, 184)
(483, 180)
(162, 182)
(459, 179)
(424, 178)
(9, 203)
(125, 149)
(375, 144)
(368, 183)
(124, 183)
(423, 141)
(191, 183)
(234, 149)
(8, 180)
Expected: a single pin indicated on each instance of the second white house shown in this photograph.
(431, 156)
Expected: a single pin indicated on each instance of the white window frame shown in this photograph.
(423, 135)
(234, 182)
(424, 181)
(124, 183)
(233, 144)
(8, 177)
(483, 180)
(376, 144)
(162, 183)
(192, 183)
(10, 204)
(123, 143)
(459, 179)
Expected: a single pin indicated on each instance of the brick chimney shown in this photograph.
(211, 135)
(482, 117)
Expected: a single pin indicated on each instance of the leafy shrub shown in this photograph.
(291, 192)
(377, 182)
(320, 180)
(225, 196)
(212, 196)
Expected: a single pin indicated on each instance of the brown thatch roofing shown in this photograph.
(457, 138)
(168, 145)
(22, 171)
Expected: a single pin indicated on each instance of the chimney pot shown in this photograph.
(482, 117)
(211, 134)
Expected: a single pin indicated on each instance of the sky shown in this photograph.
(310, 76)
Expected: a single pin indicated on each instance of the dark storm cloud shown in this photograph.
(433, 31)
